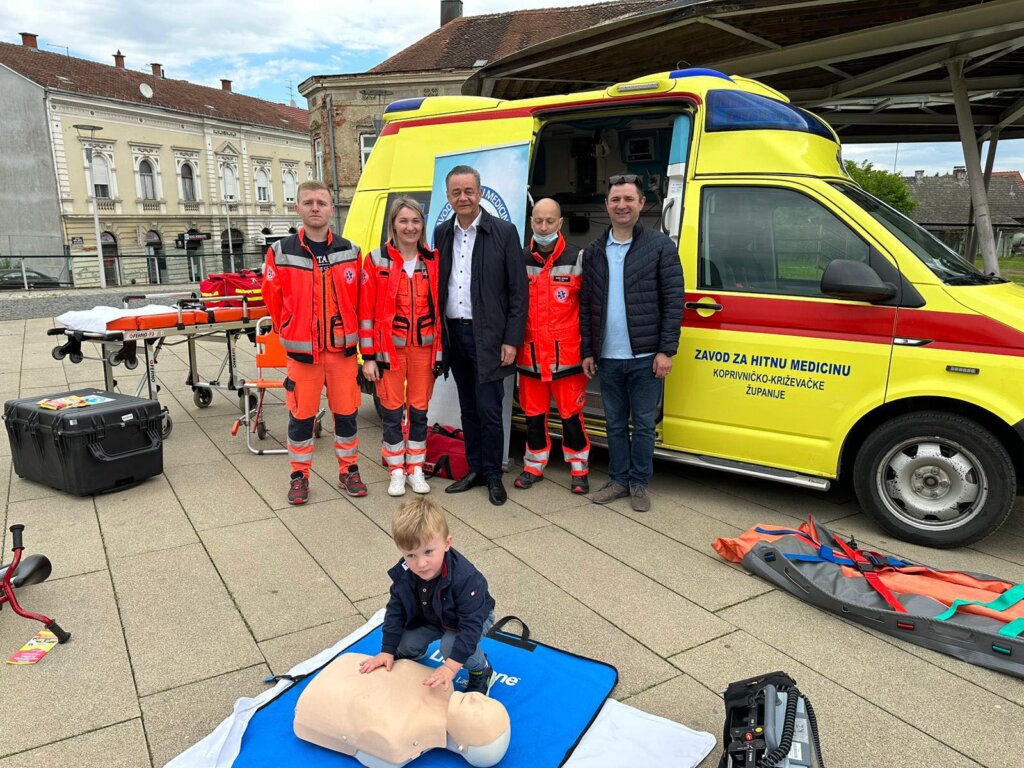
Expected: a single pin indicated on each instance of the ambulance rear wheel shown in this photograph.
(936, 479)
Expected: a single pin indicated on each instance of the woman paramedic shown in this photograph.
(400, 339)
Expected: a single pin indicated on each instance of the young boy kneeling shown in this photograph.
(436, 593)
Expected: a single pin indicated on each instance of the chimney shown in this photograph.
(225, 85)
(960, 172)
(918, 175)
(158, 70)
(29, 40)
(119, 59)
(450, 10)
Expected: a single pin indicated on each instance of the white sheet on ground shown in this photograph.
(95, 320)
(620, 735)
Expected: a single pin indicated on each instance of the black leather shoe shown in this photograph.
(496, 492)
(472, 480)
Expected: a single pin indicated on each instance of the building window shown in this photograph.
(289, 186)
(262, 186)
(188, 183)
(318, 155)
(147, 181)
(100, 175)
(228, 182)
(366, 142)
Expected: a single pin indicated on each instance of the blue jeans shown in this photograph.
(414, 642)
(630, 392)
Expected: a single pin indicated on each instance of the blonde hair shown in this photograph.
(404, 201)
(311, 185)
(417, 521)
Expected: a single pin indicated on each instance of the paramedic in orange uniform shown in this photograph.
(549, 362)
(400, 339)
(311, 288)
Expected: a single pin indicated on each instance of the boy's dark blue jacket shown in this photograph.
(461, 600)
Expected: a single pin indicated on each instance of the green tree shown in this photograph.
(888, 187)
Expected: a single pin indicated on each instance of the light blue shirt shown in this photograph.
(616, 331)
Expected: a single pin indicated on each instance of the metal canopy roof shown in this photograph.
(877, 71)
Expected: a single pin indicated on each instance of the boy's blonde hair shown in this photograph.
(417, 521)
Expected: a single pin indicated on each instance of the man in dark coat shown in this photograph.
(630, 266)
(482, 291)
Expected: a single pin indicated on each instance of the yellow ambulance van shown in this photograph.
(824, 335)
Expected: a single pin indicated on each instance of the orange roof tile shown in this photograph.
(81, 76)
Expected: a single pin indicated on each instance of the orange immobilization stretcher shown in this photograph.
(191, 320)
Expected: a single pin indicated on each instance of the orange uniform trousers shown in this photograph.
(570, 395)
(409, 383)
(305, 383)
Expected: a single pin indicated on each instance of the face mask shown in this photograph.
(545, 239)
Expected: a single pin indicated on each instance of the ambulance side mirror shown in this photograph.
(855, 280)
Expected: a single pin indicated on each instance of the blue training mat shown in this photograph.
(552, 697)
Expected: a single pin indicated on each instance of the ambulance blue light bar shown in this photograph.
(404, 105)
(698, 72)
(738, 111)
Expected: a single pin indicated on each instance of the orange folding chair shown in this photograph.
(270, 355)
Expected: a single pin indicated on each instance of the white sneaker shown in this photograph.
(417, 481)
(397, 485)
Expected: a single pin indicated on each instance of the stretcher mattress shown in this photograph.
(152, 317)
(556, 701)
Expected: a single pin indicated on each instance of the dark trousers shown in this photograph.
(630, 392)
(480, 403)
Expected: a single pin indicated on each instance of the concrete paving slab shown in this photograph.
(473, 508)
(683, 524)
(80, 686)
(284, 652)
(178, 718)
(925, 696)
(274, 581)
(52, 376)
(117, 746)
(371, 605)
(64, 529)
(380, 508)
(189, 445)
(684, 700)
(854, 731)
(546, 497)
(214, 494)
(652, 614)
(346, 544)
(1004, 546)
(25, 490)
(145, 518)
(685, 571)
(268, 475)
(561, 620)
(179, 620)
(717, 504)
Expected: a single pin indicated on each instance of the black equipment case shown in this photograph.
(101, 447)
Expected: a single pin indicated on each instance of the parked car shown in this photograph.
(13, 280)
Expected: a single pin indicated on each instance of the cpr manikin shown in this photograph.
(386, 719)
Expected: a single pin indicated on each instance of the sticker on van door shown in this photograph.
(771, 376)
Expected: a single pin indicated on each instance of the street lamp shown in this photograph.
(89, 132)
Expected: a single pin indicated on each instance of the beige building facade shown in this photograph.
(186, 179)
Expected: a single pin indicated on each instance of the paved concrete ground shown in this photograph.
(186, 591)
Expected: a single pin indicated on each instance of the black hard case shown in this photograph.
(84, 451)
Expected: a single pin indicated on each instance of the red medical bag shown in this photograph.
(245, 283)
(446, 453)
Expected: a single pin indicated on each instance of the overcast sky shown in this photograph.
(263, 45)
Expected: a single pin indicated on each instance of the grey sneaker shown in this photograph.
(639, 499)
(610, 492)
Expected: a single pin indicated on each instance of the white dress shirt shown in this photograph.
(460, 302)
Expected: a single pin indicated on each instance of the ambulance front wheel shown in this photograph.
(936, 479)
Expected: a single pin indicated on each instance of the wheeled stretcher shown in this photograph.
(189, 321)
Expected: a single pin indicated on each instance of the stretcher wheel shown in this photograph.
(261, 431)
(131, 363)
(114, 358)
(166, 426)
(76, 357)
(57, 352)
(202, 397)
(318, 429)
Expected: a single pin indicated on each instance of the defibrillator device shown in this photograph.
(769, 723)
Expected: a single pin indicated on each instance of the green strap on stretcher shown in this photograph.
(1004, 602)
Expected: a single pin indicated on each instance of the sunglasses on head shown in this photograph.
(623, 178)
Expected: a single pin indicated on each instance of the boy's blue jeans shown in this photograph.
(415, 641)
(630, 391)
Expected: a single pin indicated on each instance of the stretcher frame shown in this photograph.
(121, 346)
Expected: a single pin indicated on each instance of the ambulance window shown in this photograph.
(770, 240)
